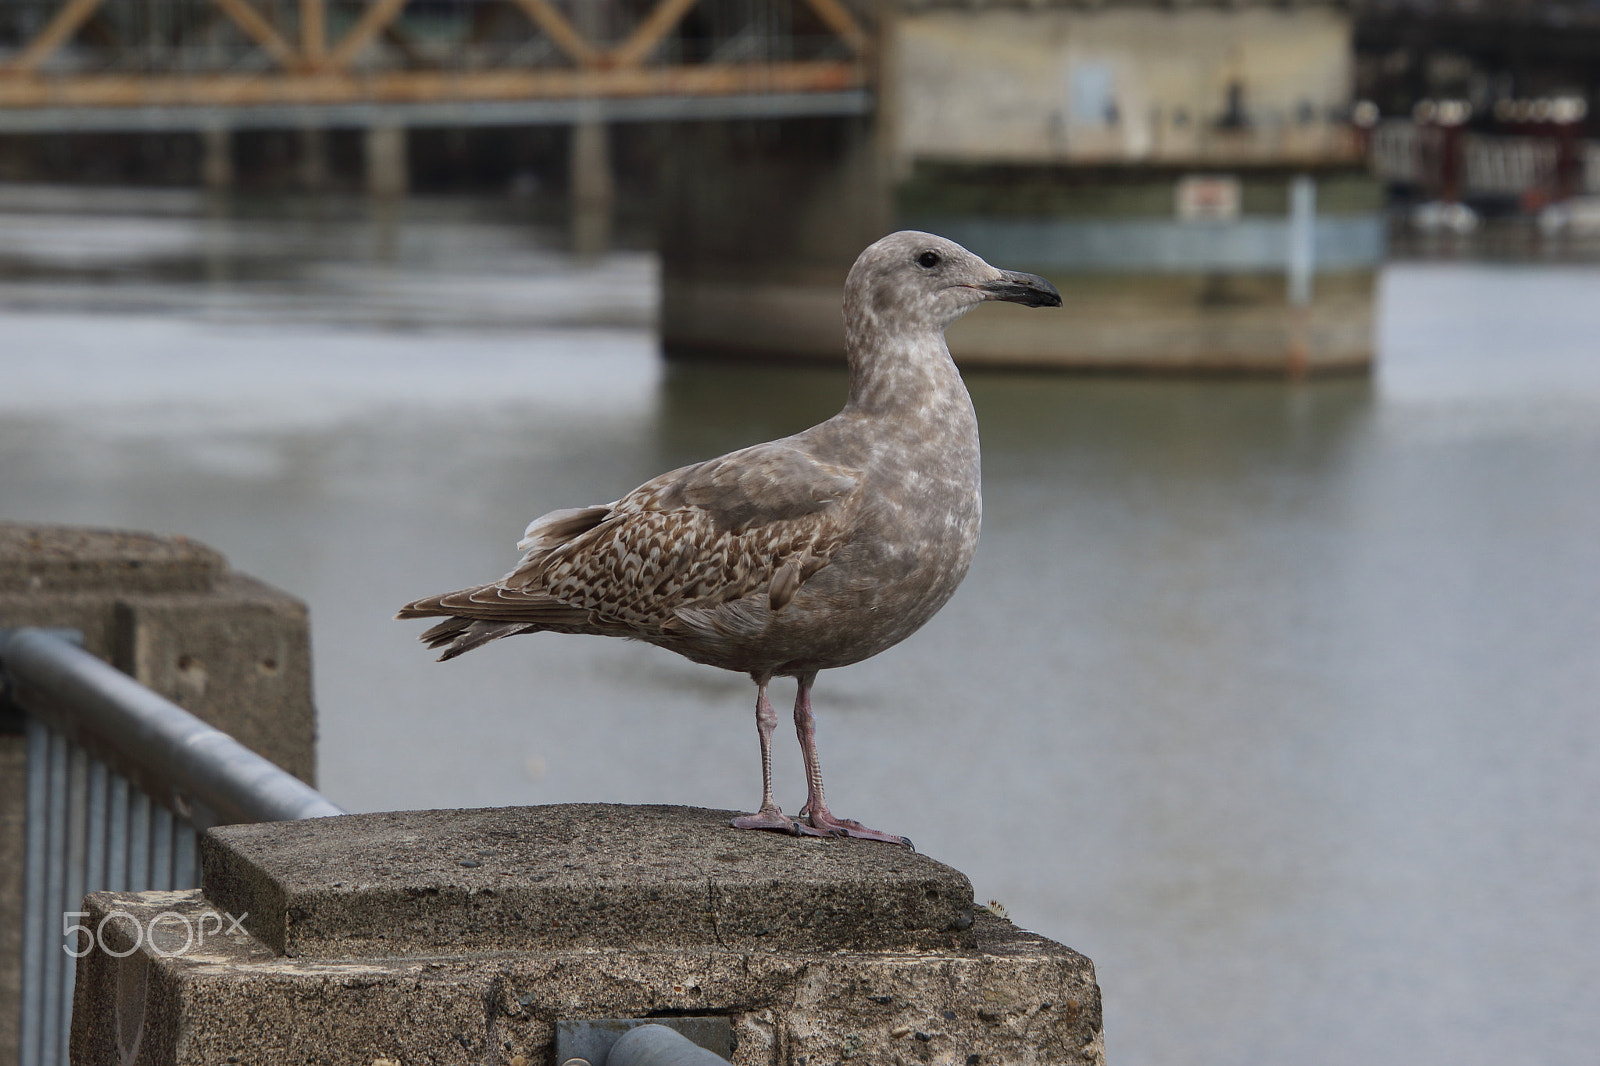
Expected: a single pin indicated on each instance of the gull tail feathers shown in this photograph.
(475, 616)
(460, 635)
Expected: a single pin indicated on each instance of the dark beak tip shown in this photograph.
(1029, 290)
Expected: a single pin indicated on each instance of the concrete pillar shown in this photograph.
(312, 169)
(383, 228)
(169, 612)
(388, 174)
(485, 936)
(759, 224)
(591, 187)
(216, 164)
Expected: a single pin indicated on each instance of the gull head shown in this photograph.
(914, 281)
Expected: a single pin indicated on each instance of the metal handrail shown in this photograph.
(148, 737)
(119, 781)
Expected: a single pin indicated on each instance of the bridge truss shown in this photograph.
(195, 64)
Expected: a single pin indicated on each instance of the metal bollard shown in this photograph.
(654, 1045)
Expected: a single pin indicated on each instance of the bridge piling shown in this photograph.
(387, 171)
(591, 187)
(216, 160)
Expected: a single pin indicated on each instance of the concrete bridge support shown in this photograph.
(216, 158)
(759, 223)
(591, 187)
(1067, 141)
(312, 165)
(388, 173)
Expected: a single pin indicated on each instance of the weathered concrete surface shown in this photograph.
(586, 875)
(169, 612)
(1004, 997)
(73, 559)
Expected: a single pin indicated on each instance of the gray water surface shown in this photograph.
(1277, 701)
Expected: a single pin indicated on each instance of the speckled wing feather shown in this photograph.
(763, 518)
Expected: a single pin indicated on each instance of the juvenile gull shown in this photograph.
(799, 555)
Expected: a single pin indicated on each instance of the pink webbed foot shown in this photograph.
(845, 827)
(772, 819)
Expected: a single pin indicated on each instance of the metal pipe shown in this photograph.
(77, 858)
(55, 1004)
(94, 870)
(83, 696)
(138, 840)
(656, 1045)
(36, 901)
(116, 835)
(160, 877)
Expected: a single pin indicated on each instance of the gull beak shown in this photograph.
(1015, 287)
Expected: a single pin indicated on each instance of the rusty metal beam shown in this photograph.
(72, 15)
(841, 22)
(379, 16)
(334, 87)
(261, 31)
(558, 29)
(648, 34)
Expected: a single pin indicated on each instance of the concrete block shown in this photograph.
(546, 926)
(169, 612)
(585, 875)
(237, 656)
(71, 559)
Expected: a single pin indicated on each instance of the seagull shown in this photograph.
(799, 555)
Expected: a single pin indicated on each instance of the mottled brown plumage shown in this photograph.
(799, 555)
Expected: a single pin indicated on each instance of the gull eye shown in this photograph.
(928, 260)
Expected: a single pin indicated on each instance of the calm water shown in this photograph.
(1279, 702)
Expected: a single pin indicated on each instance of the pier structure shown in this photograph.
(1187, 173)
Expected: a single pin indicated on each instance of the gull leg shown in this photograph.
(816, 808)
(769, 816)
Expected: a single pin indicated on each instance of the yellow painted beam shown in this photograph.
(334, 87)
(67, 21)
(313, 31)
